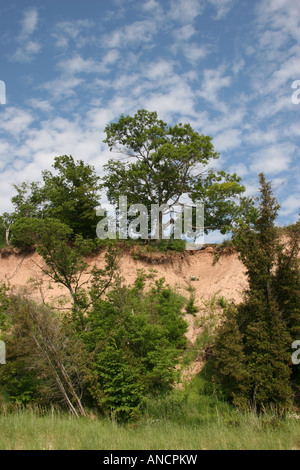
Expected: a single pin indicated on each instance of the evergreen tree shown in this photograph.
(259, 339)
(287, 280)
(230, 370)
(287, 289)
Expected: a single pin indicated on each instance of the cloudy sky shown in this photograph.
(225, 66)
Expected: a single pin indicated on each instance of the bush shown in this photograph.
(136, 337)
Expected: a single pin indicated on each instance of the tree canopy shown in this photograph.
(162, 163)
(70, 194)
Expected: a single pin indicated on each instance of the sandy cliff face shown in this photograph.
(180, 270)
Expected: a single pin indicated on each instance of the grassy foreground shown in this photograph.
(185, 420)
(28, 432)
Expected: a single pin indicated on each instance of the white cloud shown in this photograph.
(111, 57)
(185, 32)
(78, 31)
(58, 136)
(273, 159)
(28, 47)
(78, 64)
(278, 42)
(240, 169)
(222, 7)
(279, 15)
(136, 33)
(213, 81)
(27, 52)
(15, 121)
(231, 119)
(29, 22)
(227, 140)
(285, 74)
(161, 69)
(290, 205)
(238, 66)
(43, 105)
(180, 99)
(185, 11)
(150, 5)
(259, 137)
(194, 53)
(63, 87)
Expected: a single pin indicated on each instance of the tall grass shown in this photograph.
(191, 418)
(29, 431)
(187, 419)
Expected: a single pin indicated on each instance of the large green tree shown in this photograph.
(69, 194)
(72, 193)
(163, 163)
(259, 358)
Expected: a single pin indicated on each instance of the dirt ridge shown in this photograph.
(225, 278)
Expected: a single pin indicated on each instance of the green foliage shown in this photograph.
(110, 354)
(191, 308)
(268, 362)
(287, 279)
(2, 231)
(136, 336)
(72, 195)
(172, 245)
(4, 305)
(166, 166)
(219, 193)
(253, 347)
(287, 288)
(46, 361)
(18, 384)
(27, 233)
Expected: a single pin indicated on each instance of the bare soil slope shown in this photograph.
(192, 268)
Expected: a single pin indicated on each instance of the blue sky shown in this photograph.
(225, 66)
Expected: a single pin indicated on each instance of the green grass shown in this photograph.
(189, 419)
(27, 431)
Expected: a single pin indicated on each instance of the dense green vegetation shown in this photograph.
(253, 347)
(114, 357)
(189, 419)
(123, 349)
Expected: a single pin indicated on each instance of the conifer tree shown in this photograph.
(287, 289)
(262, 341)
(230, 368)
